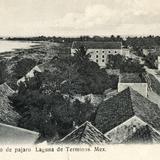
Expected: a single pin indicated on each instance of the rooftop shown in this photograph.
(122, 107)
(131, 78)
(7, 113)
(6, 90)
(15, 135)
(85, 134)
(96, 45)
(133, 130)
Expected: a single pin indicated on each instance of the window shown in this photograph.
(96, 56)
(102, 56)
(97, 60)
(115, 51)
(102, 51)
(97, 51)
(102, 60)
(109, 51)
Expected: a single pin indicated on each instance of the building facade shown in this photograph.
(134, 81)
(139, 87)
(98, 51)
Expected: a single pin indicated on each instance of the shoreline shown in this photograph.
(17, 51)
(32, 45)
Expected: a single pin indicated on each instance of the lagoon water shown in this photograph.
(6, 45)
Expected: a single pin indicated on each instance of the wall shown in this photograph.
(126, 52)
(126, 129)
(139, 87)
(159, 63)
(100, 53)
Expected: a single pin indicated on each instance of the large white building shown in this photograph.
(98, 51)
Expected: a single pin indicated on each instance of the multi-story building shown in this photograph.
(98, 51)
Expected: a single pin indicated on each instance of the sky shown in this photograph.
(79, 17)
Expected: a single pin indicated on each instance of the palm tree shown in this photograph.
(81, 55)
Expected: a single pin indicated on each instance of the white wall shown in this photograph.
(121, 132)
(126, 52)
(139, 87)
(145, 52)
(100, 53)
(159, 63)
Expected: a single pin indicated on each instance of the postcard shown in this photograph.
(79, 79)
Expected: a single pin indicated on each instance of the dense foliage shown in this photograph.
(3, 71)
(136, 42)
(127, 65)
(45, 101)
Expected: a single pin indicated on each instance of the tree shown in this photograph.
(150, 60)
(3, 71)
(128, 65)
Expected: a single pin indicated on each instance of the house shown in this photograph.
(153, 50)
(126, 114)
(133, 130)
(38, 68)
(111, 72)
(11, 135)
(134, 80)
(94, 99)
(126, 52)
(30, 74)
(98, 51)
(85, 134)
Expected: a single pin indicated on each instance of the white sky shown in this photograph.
(79, 17)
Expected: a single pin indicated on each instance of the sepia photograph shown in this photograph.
(79, 76)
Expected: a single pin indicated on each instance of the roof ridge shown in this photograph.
(73, 131)
(19, 128)
(146, 125)
(85, 126)
(130, 96)
(89, 124)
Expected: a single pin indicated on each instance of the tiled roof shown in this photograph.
(122, 107)
(131, 78)
(6, 90)
(7, 114)
(96, 45)
(85, 134)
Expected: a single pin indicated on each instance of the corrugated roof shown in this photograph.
(123, 106)
(96, 45)
(85, 134)
(131, 78)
